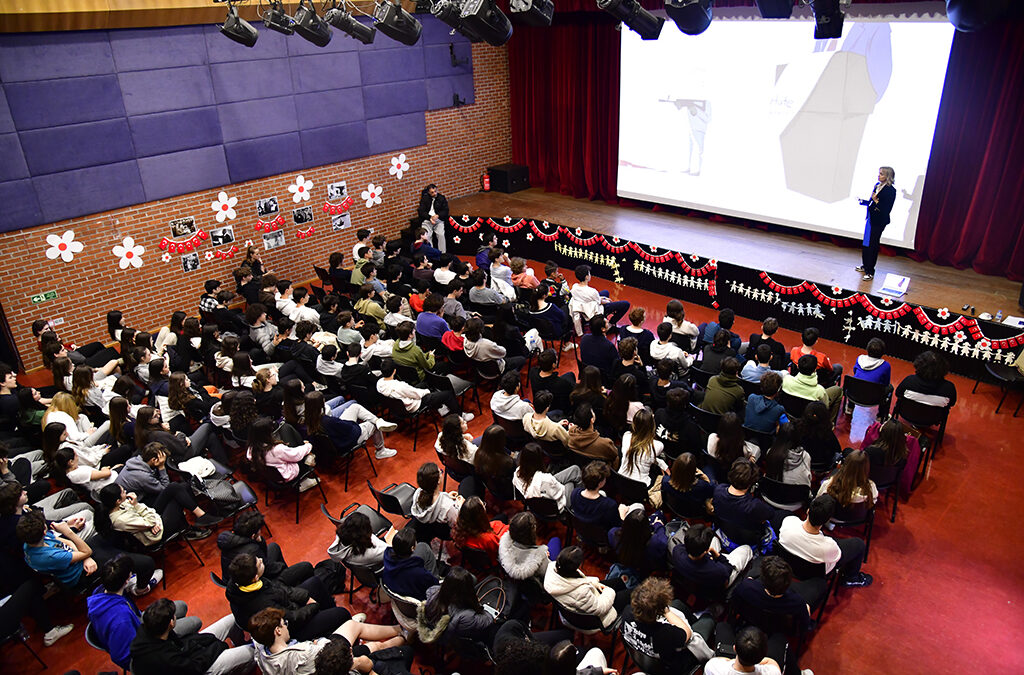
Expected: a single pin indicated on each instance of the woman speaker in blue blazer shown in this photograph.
(878, 207)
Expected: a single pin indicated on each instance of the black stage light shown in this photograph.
(311, 27)
(691, 16)
(484, 18)
(346, 23)
(532, 12)
(828, 19)
(972, 15)
(238, 29)
(636, 18)
(275, 19)
(450, 12)
(396, 23)
(775, 9)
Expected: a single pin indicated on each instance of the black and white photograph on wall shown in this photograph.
(272, 240)
(183, 227)
(190, 262)
(222, 236)
(336, 191)
(302, 215)
(266, 207)
(341, 221)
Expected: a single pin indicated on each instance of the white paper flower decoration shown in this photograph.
(457, 239)
(130, 253)
(224, 207)
(465, 218)
(836, 290)
(504, 243)
(959, 336)
(372, 195)
(579, 232)
(544, 223)
(694, 257)
(64, 247)
(209, 255)
(398, 166)
(507, 219)
(248, 242)
(166, 257)
(886, 301)
(529, 236)
(300, 190)
(984, 343)
(713, 262)
(943, 312)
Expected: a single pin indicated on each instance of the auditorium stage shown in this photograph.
(819, 261)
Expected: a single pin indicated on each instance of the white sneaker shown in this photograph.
(467, 416)
(384, 425)
(806, 671)
(361, 618)
(568, 347)
(384, 453)
(319, 387)
(308, 484)
(56, 633)
(158, 575)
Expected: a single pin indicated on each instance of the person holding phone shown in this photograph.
(883, 195)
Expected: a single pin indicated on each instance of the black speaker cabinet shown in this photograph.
(509, 177)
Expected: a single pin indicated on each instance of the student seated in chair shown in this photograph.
(700, 560)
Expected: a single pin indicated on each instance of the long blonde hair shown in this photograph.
(889, 172)
(62, 402)
(642, 438)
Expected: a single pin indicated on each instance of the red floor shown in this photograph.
(947, 592)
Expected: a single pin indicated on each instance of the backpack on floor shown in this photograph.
(225, 498)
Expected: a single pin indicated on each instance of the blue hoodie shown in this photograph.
(115, 620)
(764, 414)
(406, 576)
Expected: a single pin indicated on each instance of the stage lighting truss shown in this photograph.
(396, 23)
(341, 18)
(484, 18)
(690, 16)
(635, 17)
(450, 13)
(532, 12)
(310, 26)
(275, 19)
(238, 29)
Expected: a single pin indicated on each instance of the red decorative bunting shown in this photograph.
(275, 224)
(466, 228)
(308, 232)
(339, 208)
(228, 253)
(192, 243)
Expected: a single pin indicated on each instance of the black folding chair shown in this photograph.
(458, 468)
(323, 446)
(591, 535)
(436, 382)
(794, 405)
(866, 394)
(924, 418)
(887, 480)
(804, 569)
(708, 421)
(784, 495)
(1007, 378)
(396, 498)
(857, 515)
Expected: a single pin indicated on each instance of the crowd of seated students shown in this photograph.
(287, 373)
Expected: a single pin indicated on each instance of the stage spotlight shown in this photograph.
(828, 19)
(972, 15)
(450, 12)
(311, 27)
(346, 23)
(691, 16)
(276, 20)
(484, 18)
(532, 12)
(636, 18)
(396, 23)
(775, 9)
(238, 29)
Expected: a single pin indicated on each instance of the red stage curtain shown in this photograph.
(564, 88)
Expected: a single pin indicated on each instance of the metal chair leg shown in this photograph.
(194, 552)
(33, 652)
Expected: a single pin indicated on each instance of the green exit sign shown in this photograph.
(43, 297)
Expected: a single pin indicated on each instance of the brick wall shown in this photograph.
(461, 143)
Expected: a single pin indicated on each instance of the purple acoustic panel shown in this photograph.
(36, 105)
(271, 45)
(173, 131)
(328, 145)
(153, 48)
(182, 172)
(441, 89)
(324, 71)
(385, 100)
(436, 32)
(13, 165)
(77, 145)
(98, 188)
(324, 108)
(339, 43)
(438, 60)
(6, 121)
(254, 119)
(391, 65)
(30, 57)
(396, 133)
(263, 157)
(21, 208)
(248, 81)
(150, 91)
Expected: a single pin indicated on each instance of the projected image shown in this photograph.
(757, 119)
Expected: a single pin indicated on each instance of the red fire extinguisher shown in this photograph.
(486, 181)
